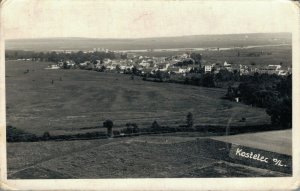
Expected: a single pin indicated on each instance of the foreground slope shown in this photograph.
(166, 156)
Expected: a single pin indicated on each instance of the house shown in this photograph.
(84, 63)
(53, 67)
(107, 61)
(165, 68)
(217, 67)
(70, 63)
(183, 70)
(282, 72)
(227, 66)
(185, 55)
(123, 67)
(88, 66)
(277, 66)
(110, 67)
(173, 70)
(144, 63)
(271, 69)
(98, 65)
(208, 67)
(244, 70)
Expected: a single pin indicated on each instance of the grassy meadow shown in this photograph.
(279, 54)
(78, 99)
(129, 157)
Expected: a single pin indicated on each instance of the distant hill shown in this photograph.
(196, 41)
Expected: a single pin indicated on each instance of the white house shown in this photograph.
(84, 63)
(226, 64)
(276, 66)
(145, 63)
(53, 67)
(166, 67)
(208, 68)
(107, 61)
(110, 67)
(98, 65)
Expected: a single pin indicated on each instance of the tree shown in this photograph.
(189, 120)
(118, 68)
(197, 57)
(208, 80)
(123, 56)
(65, 65)
(102, 69)
(109, 125)
(155, 125)
(247, 89)
(46, 136)
(281, 112)
(134, 70)
(159, 75)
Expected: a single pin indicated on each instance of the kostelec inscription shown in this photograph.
(251, 155)
(260, 158)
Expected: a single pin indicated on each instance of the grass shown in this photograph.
(87, 98)
(279, 54)
(138, 157)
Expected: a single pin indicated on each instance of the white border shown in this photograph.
(286, 183)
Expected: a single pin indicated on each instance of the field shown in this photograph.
(196, 41)
(280, 54)
(138, 157)
(79, 99)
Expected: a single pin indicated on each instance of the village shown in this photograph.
(181, 64)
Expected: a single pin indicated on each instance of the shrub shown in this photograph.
(189, 120)
(16, 135)
(46, 136)
(155, 125)
(115, 132)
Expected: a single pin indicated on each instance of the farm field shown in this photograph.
(137, 157)
(78, 99)
(193, 41)
(279, 54)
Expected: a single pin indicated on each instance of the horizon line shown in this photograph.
(129, 38)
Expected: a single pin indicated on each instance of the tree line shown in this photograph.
(77, 57)
(272, 92)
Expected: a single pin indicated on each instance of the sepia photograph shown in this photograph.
(148, 89)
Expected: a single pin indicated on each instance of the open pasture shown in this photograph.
(79, 99)
(136, 157)
(271, 55)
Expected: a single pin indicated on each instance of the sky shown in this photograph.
(138, 19)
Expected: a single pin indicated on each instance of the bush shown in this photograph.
(46, 136)
(115, 132)
(189, 120)
(16, 135)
